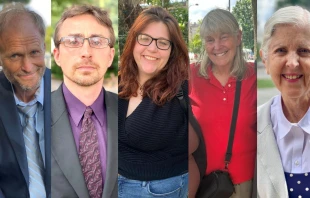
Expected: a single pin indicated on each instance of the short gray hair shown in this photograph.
(291, 15)
(9, 11)
(77, 10)
(221, 21)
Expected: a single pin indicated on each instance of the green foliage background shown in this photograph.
(244, 15)
(303, 3)
(195, 43)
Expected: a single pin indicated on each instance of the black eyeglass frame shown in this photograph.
(156, 39)
(62, 38)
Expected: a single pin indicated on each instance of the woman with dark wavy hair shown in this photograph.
(153, 125)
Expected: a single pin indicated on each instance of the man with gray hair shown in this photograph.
(84, 114)
(24, 105)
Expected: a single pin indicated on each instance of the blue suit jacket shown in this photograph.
(14, 175)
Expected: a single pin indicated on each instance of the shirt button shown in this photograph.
(224, 99)
(224, 91)
(229, 85)
(296, 163)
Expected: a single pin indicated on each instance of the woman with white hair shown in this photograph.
(213, 86)
(283, 152)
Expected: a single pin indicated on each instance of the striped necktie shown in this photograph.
(90, 157)
(34, 157)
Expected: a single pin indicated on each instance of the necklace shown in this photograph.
(140, 91)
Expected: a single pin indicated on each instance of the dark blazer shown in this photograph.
(14, 175)
(68, 180)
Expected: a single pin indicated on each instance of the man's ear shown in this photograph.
(56, 56)
(112, 53)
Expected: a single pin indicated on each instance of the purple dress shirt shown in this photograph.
(76, 111)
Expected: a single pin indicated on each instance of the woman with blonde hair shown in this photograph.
(213, 85)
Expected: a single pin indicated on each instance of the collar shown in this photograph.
(231, 83)
(38, 96)
(284, 126)
(76, 108)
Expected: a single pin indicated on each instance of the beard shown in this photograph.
(12, 78)
(85, 78)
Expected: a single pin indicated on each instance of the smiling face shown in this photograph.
(84, 66)
(222, 48)
(150, 59)
(22, 53)
(288, 60)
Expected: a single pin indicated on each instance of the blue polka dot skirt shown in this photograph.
(298, 185)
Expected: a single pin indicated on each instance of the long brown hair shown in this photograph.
(165, 84)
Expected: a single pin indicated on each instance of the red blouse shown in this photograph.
(212, 105)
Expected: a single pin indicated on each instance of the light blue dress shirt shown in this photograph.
(293, 139)
(39, 116)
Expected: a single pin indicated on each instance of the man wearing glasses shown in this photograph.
(84, 115)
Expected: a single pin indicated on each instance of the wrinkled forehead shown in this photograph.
(20, 23)
(302, 27)
(22, 30)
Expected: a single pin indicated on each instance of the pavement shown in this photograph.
(264, 94)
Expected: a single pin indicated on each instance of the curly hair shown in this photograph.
(164, 85)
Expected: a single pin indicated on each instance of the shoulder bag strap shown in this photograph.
(233, 124)
(180, 96)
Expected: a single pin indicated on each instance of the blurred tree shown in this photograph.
(48, 35)
(195, 43)
(254, 10)
(162, 3)
(132, 8)
(180, 12)
(244, 15)
(303, 3)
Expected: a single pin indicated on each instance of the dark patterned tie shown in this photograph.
(89, 156)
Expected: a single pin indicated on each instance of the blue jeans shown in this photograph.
(173, 187)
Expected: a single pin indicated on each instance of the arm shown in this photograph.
(194, 175)
(1, 194)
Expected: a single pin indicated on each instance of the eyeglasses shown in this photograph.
(76, 41)
(146, 40)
